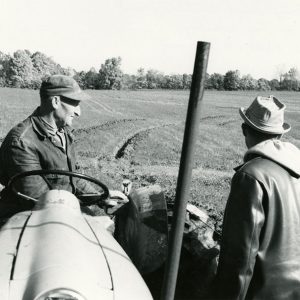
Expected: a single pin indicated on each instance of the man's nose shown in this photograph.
(77, 110)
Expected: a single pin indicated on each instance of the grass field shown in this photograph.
(138, 135)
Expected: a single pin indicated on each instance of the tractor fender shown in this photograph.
(141, 228)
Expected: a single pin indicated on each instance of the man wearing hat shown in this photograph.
(43, 141)
(259, 255)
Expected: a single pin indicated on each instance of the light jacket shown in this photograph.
(29, 146)
(260, 247)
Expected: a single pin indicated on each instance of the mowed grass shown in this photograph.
(138, 135)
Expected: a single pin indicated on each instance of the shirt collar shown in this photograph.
(48, 127)
(43, 128)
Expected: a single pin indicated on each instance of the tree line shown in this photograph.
(24, 69)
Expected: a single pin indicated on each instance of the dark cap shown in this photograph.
(62, 85)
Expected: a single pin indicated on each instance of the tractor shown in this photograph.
(55, 251)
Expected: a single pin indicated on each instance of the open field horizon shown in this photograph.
(138, 135)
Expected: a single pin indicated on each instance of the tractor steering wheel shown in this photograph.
(84, 199)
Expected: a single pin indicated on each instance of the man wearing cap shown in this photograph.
(43, 141)
(259, 255)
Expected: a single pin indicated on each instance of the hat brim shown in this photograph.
(278, 130)
(77, 96)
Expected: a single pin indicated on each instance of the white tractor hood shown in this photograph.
(58, 249)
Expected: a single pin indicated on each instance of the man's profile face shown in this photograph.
(66, 111)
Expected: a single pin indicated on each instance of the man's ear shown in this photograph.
(55, 102)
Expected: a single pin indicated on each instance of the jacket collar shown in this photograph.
(238, 167)
(283, 153)
(42, 131)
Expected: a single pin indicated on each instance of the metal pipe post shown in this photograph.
(185, 170)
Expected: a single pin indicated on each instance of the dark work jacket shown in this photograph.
(260, 256)
(29, 146)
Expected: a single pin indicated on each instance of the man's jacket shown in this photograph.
(29, 146)
(260, 248)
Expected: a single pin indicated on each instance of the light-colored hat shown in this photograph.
(62, 85)
(266, 114)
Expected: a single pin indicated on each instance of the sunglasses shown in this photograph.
(69, 101)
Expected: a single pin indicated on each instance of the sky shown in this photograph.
(257, 37)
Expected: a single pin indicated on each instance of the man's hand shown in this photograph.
(114, 194)
(116, 198)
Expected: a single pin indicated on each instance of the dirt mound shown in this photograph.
(121, 147)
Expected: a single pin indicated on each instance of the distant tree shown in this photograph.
(22, 73)
(154, 79)
(215, 81)
(92, 79)
(26, 70)
(186, 81)
(172, 82)
(110, 74)
(129, 82)
(274, 84)
(141, 81)
(247, 82)
(44, 65)
(4, 69)
(177, 80)
(80, 77)
(294, 73)
(289, 85)
(232, 80)
(290, 80)
(263, 85)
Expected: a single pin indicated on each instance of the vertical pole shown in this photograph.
(185, 170)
